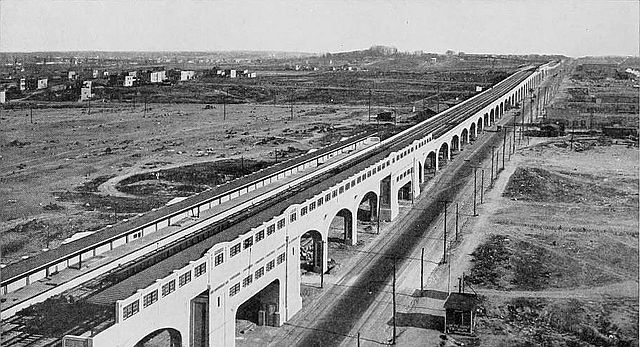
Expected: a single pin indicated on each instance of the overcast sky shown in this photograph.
(574, 28)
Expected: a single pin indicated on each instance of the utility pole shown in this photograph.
(438, 99)
(224, 111)
(321, 266)
(31, 113)
(89, 112)
(457, 214)
(145, 106)
(475, 189)
(393, 342)
(504, 143)
(482, 187)
(444, 248)
(422, 271)
(493, 148)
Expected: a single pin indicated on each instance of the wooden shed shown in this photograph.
(460, 315)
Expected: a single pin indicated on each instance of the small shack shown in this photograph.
(460, 313)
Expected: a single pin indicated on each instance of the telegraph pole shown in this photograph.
(475, 189)
(444, 247)
(482, 187)
(369, 105)
(224, 111)
(393, 342)
(422, 270)
(504, 143)
(493, 148)
(457, 214)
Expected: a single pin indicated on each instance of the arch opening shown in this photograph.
(167, 337)
(485, 122)
(430, 166)
(472, 132)
(405, 192)
(341, 228)
(384, 210)
(311, 252)
(443, 155)
(455, 145)
(464, 138)
(368, 208)
(492, 118)
(261, 309)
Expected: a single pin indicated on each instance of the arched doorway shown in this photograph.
(480, 123)
(455, 145)
(485, 123)
(492, 118)
(341, 228)
(167, 337)
(311, 252)
(501, 109)
(443, 155)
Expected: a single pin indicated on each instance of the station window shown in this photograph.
(131, 309)
(235, 249)
(248, 243)
(334, 193)
(327, 198)
(219, 258)
(341, 189)
(259, 236)
(168, 287)
(364, 176)
(359, 179)
(312, 206)
(259, 272)
(375, 170)
(281, 223)
(271, 229)
(353, 183)
(369, 173)
(247, 280)
(184, 278)
(303, 211)
(150, 298)
(271, 265)
(281, 258)
(234, 289)
(200, 269)
(379, 167)
(293, 217)
(387, 163)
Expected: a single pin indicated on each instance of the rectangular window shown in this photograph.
(234, 289)
(293, 217)
(271, 229)
(131, 309)
(341, 189)
(259, 236)
(327, 197)
(271, 265)
(312, 206)
(247, 280)
(359, 179)
(259, 272)
(347, 186)
(321, 200)
(281, 258)
(219, 258)
(168, 287)
(369, 173)
(281, 223)
(334, 194)
(353, 183)
(235, 249)
(150, 298)
(248, 242)
(200, 269)
(184, 278)
(379, 168)
(303, 211)
(375, 170)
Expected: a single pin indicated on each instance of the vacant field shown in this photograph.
(559, 265)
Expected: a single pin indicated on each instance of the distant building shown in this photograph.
(128, 81)
(23, 84)
(43, 83)
(85, 91)
(96, 73)
(158, 76)
(434, 60)
(231, 73)
(72, 75)
(133, 74)
(187, 75)
(3, 97)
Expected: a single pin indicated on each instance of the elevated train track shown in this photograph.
(237, 219)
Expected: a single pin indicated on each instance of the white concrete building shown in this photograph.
(3, 97)
(158, 76)
(43, 83)
(85, 91)
(187, 75)
(128, 81)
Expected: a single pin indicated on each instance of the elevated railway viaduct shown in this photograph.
(190, 269)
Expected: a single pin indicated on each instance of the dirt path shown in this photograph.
(628, 289)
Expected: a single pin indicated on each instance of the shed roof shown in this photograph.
(462, 301)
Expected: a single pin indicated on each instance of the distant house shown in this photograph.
(460, 313)
(43, 83)
(187, 75)
(85, 91)
(23, 84)
(158, 76)
(72, 75)
(129, 80)
(386, 116)
(3, 97)
(231, 73)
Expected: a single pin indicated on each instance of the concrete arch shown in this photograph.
(367, 208)
(485, 123)
(443, 155)
(472, 132)
(501, 109)
(430, 165)
(492, 117)
(346, 230)
(480, 125)
(405, 192)
(455, 143)
(174, 338)
(312, 251)
(464, 137)
(496, 113)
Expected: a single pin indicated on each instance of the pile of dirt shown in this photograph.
(559, 322)
(540, 185)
